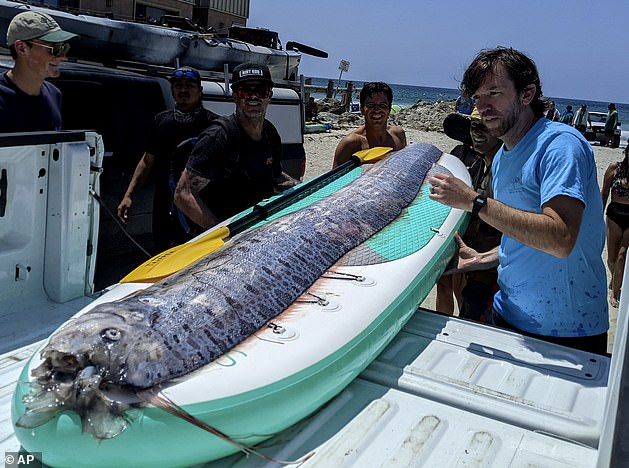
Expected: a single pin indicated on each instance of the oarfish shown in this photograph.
(196, 315)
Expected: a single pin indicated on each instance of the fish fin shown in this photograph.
(31, 419)
(102, 423)
(153, 396)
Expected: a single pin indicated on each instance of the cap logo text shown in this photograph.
(250, 72)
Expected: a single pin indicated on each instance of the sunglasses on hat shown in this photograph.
(185, 74)
(247, 91)
(56, 50)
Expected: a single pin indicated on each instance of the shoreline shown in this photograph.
(320, 148)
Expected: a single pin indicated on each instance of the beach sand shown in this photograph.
(320, 153)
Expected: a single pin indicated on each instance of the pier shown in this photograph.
(330, 91)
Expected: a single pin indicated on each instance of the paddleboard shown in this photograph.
(288, 369)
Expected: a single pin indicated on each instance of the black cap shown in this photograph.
(251, 72)
(185, 72)
(457, 126)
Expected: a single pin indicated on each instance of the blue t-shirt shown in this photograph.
(540, 293)
(21, 112)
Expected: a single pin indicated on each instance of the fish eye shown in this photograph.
(111, 334)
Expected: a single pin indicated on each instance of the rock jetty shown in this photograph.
(422, 115)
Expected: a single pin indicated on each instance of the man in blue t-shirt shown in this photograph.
(546, 203)
(27, 102)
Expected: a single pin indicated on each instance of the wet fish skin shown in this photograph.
(193, 317)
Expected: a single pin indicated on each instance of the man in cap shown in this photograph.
(236, 162)
(168, 131)
(473, 289)
(27, 101)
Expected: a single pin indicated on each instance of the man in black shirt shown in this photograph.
(236, 161)
(170, 128)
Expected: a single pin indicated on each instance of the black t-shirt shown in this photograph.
(240, 170)
(164, 135)
(21, 112)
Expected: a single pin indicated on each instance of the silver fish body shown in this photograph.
(193, 317)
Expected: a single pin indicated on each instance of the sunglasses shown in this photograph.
(185, 74)
(248, 91)
(56, 50)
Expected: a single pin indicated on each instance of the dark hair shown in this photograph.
(13, 51)
(521, 69)
(375, 87)
(622, 172)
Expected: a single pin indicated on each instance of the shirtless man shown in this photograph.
(375, 104)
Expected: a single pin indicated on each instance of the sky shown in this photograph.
(581, 47)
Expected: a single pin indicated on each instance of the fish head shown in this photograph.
(98, 339)
(84, 363)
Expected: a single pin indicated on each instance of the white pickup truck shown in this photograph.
(444, 393)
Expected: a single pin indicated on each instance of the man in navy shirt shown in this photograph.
(27, 101)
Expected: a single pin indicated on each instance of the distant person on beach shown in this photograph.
(567, 116)
(464, 105)
(552, 113)
(311, 110)
(168, 130)
(582, 119)
(473, 290)
(236, 161)
(610, 125)
(28, 102)
(375, 105)
(547, 204)
(616, 182)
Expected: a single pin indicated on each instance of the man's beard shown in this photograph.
(508, 121)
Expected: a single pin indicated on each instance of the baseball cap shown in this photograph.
(185, 72)
(251, 72)
(36, 25)
(457, 126)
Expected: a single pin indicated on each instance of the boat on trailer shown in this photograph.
(111, 41)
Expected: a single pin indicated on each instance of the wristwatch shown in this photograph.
(478, 204)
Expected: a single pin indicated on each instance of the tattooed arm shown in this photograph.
(187, 199)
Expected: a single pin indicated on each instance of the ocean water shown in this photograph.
(407, 95)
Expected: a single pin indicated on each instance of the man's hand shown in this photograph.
(472, 260)
(451, 191)
(123, 209)
(283, 182)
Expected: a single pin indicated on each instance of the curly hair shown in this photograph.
(521, 69)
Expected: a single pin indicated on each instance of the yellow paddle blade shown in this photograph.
(174, 259)
(373, 155)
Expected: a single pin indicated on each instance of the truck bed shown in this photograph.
(445, 392)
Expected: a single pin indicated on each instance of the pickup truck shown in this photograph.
(597, 131)
(445, 392)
